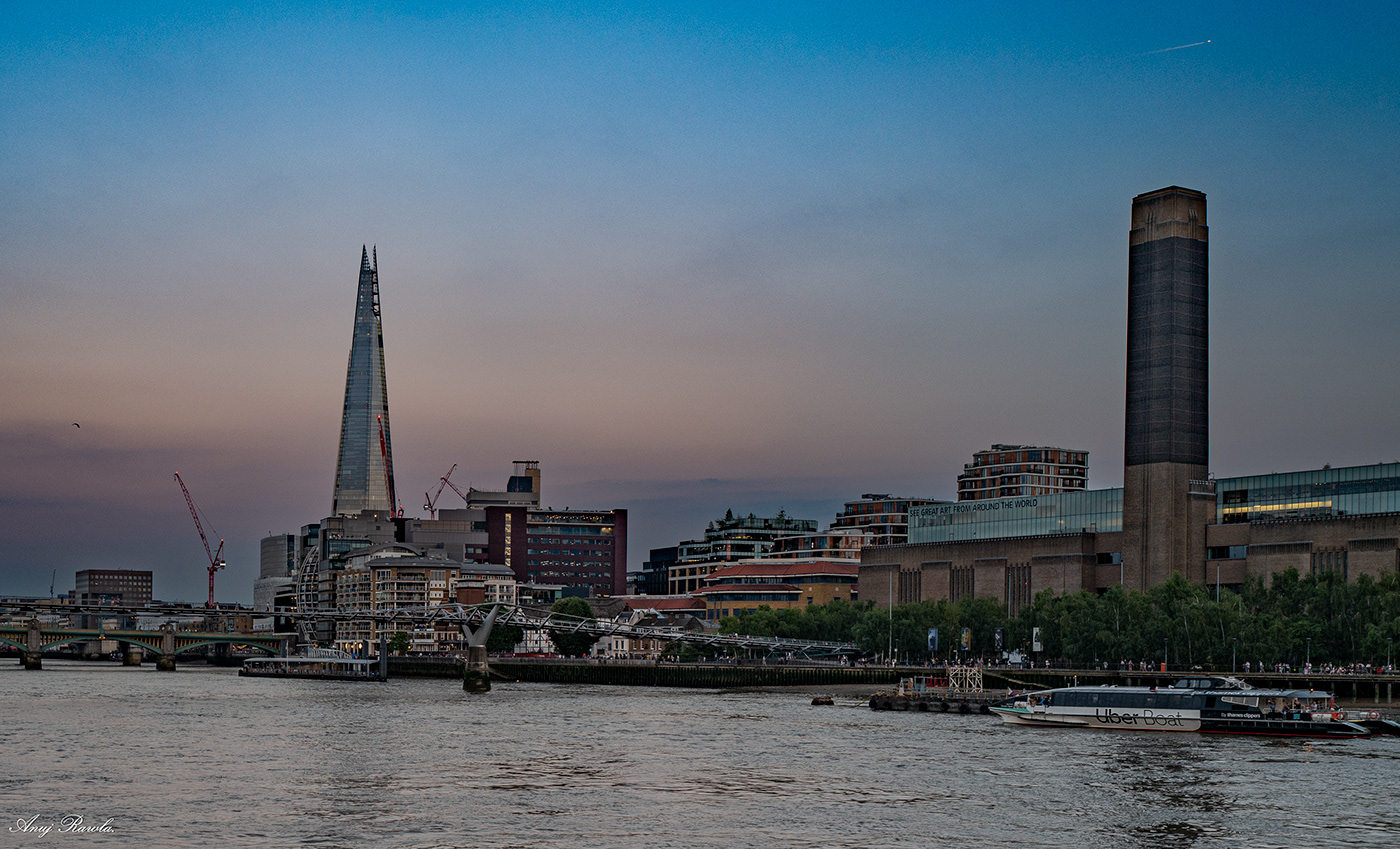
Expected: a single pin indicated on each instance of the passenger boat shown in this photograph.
(317, 663)
(1207, 705)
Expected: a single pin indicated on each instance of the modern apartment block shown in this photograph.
(1006, 470)
(884, 518)
(728, 540)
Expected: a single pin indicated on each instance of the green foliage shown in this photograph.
(1293, 619)
(571, 643)
(398, 644)
(504, 638)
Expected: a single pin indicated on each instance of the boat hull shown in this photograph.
(1187, 721)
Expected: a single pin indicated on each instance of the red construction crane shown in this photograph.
(458, 491)
(216, 561)
(430, 501)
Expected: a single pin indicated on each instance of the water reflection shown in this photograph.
(204, 757)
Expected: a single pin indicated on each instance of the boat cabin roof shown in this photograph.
(1246, 692)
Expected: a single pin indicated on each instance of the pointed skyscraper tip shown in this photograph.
(365, 472)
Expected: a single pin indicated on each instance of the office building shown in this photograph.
(582, 550)
(124, 587)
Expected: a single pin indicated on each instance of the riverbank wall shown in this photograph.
(694, 675)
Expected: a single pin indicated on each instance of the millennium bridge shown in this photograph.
(34, 637)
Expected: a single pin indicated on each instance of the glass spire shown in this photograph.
(364, 475)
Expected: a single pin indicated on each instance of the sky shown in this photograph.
(690, 257)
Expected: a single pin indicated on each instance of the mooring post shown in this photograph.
(166, 661)
(33, 646)
(383, 656)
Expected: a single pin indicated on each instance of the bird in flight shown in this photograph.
(78, 426)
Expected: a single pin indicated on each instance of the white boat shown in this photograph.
(1207, 705)
(317, 663)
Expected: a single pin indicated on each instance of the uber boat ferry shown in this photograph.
(1207, 705)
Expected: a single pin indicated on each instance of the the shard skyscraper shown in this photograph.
(364, 476)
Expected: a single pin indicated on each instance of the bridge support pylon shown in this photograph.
(33, 646)
(133, 655)
(165, 662)
(476, 674)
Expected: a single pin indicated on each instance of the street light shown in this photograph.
(1232, 655)
(1164, 654)
(1308, 662)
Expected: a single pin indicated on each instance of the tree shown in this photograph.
(572, 643)
(504, 638)
(398, 644)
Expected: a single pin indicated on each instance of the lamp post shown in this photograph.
(1232, 655)
(1308, 661)
(1164, 654)
(889, 649)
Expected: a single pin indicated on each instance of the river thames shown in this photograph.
(201, 757)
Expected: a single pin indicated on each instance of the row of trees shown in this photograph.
(1292, 620)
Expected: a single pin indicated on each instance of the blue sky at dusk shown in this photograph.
(688, 256)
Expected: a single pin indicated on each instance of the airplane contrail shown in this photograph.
(1178, 47)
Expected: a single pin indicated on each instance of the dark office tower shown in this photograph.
(364, 476)
(1166, 438)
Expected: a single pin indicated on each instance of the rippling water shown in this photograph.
(202, 757)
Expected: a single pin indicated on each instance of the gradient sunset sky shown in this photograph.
(690, 257)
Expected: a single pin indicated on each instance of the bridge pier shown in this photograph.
(33, 646)
(476, 675)
(133, 655)
(165, 661)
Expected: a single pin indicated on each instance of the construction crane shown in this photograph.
(216, 560)
(454, 488)
(430, 501)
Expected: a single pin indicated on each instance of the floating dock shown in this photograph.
(962, 691)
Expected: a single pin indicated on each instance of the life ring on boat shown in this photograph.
(1373, 714)
(1339, 715)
